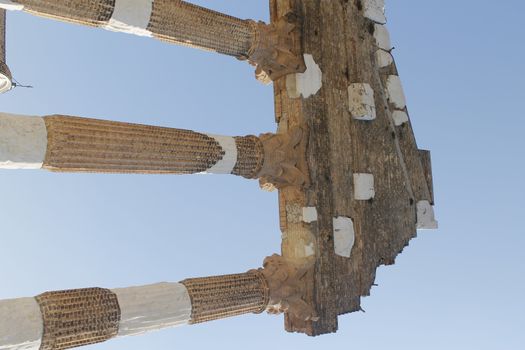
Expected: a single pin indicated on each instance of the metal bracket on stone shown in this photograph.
(284, 159)
(286, 284)
(276, 51)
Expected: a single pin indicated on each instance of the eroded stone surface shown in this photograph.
(361, 102)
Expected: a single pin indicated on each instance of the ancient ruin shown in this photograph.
(353, 186)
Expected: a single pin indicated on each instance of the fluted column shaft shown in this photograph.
(80, 144)
(68, 319)
(271, 47)
(171, 20)
(72, 144)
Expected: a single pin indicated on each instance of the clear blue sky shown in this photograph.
(461, 287)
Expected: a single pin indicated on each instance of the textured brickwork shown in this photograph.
(89, 145)
(190, 25)
(78, 317)
(219, 297)
(171, 20)
(89, 12)
(250, 157)
(274, 49)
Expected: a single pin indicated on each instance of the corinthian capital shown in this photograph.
(276, 50)
(286, 284)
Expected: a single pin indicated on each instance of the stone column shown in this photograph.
(270, 47)
(72, 144)
(72, 318)
(5, 73)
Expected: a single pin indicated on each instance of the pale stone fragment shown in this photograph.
(364, 187)
(309, 250)
(344, 236)
(382, 37)
(21, 324)
(131, 16)
(425, 216)
(298, 241)
(305, 84)
(5, 83)
(9, 5)
(396, 95)
(154, 307)
(23, 142)
(375, 10)
(400, 117)
(384, 58)
(361, 102)
(309, 214)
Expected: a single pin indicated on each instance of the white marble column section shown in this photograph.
(5, 83)
(154, 307)
(23, 142)
(9, 5)
(132, 17)
(228, 161)
(21, 324)
(129, 16)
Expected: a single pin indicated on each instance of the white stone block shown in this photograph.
(309, 214)
(153, 307)
(382, 37)
(344, 236)
(305, 84)
(396, 95)
(9, 5)
(375, 10)
(384, 58)
(361, 102)
(21, 324)
(364, 187)
(23, 142)
(5, 83)
(425, 216)
(132, 17)
(400, 117)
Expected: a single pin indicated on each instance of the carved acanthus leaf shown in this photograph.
(286, 285)
(284, 159)
(276, 51)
